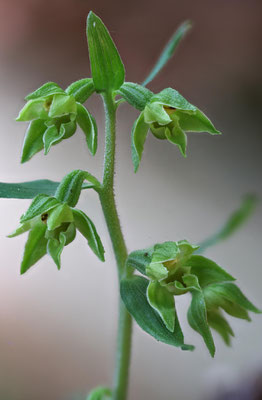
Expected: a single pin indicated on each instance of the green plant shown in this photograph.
(166, 269)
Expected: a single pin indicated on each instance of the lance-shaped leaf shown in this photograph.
(195, 122)
(140, 259)
(71, 185)
(171, 98)
(42, 203)
(48, 89)
(168, 51)
(88, 125)
(62, 105)
(136, 95)
(24, 227)
(88, 230)
(177, 136)
(139, 134)
(100, 393)
(162, 302)
(232, 293)
(106, 65)
(207, 271)
(133, 293)
(197, 316)
(33, 109)
(27, 190)
(35, 247)
(217, 322)
(81, 90)
(33, 141)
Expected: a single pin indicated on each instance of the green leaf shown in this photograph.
(207, 271)
(70, 187)
(34, 109)
(42, 203)
(140, 259)
(163, 303)
(133, 292)
(178, 137)
(171, 98)
(33, 141)
(62, 104)
(48, 89)
(100, 393)
(88, 230)
(232, 293)
(136, 95)
(27, 190)
(168, 51)
(81, 90)
(234, 222)
(55, 248)
(50, 137)
(219, 323)
(197, 318)
(139, 134)
(35, 247)
(106, 65)
(58, 215)
(26, 226)
(88, 125)
(195, 122)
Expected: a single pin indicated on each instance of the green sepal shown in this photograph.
(42, 203)
(34, 109)
(231, 293)
(168, 51)
(133, 293)
(135, 94)
(166, 251)
(58, 215)
(197, 317)
(50, 137)
(86, 227)
(163, 303)
(171, 98)
(33, 141)
(207, 271)
(88, 125)
(140, 259)
(22, 228)
(81, 90)
(100, 393)
(48, 89)
(196, 121)
(55, 248)
(62, 104)
(35, 247)
(217, 322)
(154, 112)
(177, 136)
(27, 190)
(139, 134)
(67, 129)
(70, 187)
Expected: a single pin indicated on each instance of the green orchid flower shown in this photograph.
(172, 269)
(169, 116)
(54, 114)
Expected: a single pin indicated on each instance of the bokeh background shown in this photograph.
(58, 329)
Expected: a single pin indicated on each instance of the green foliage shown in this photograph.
(100, 393)
(136, 95)
(108, 71)
(81, 90)
(27, 190)
(168, 51)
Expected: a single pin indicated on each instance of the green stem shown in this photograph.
(107, 199)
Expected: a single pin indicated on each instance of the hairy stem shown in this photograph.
(107, 199)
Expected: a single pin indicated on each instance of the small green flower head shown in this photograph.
(172, 269)
(52, 223)
(54, 114)
(168, 115)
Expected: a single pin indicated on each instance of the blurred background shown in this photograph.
(58, 328)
